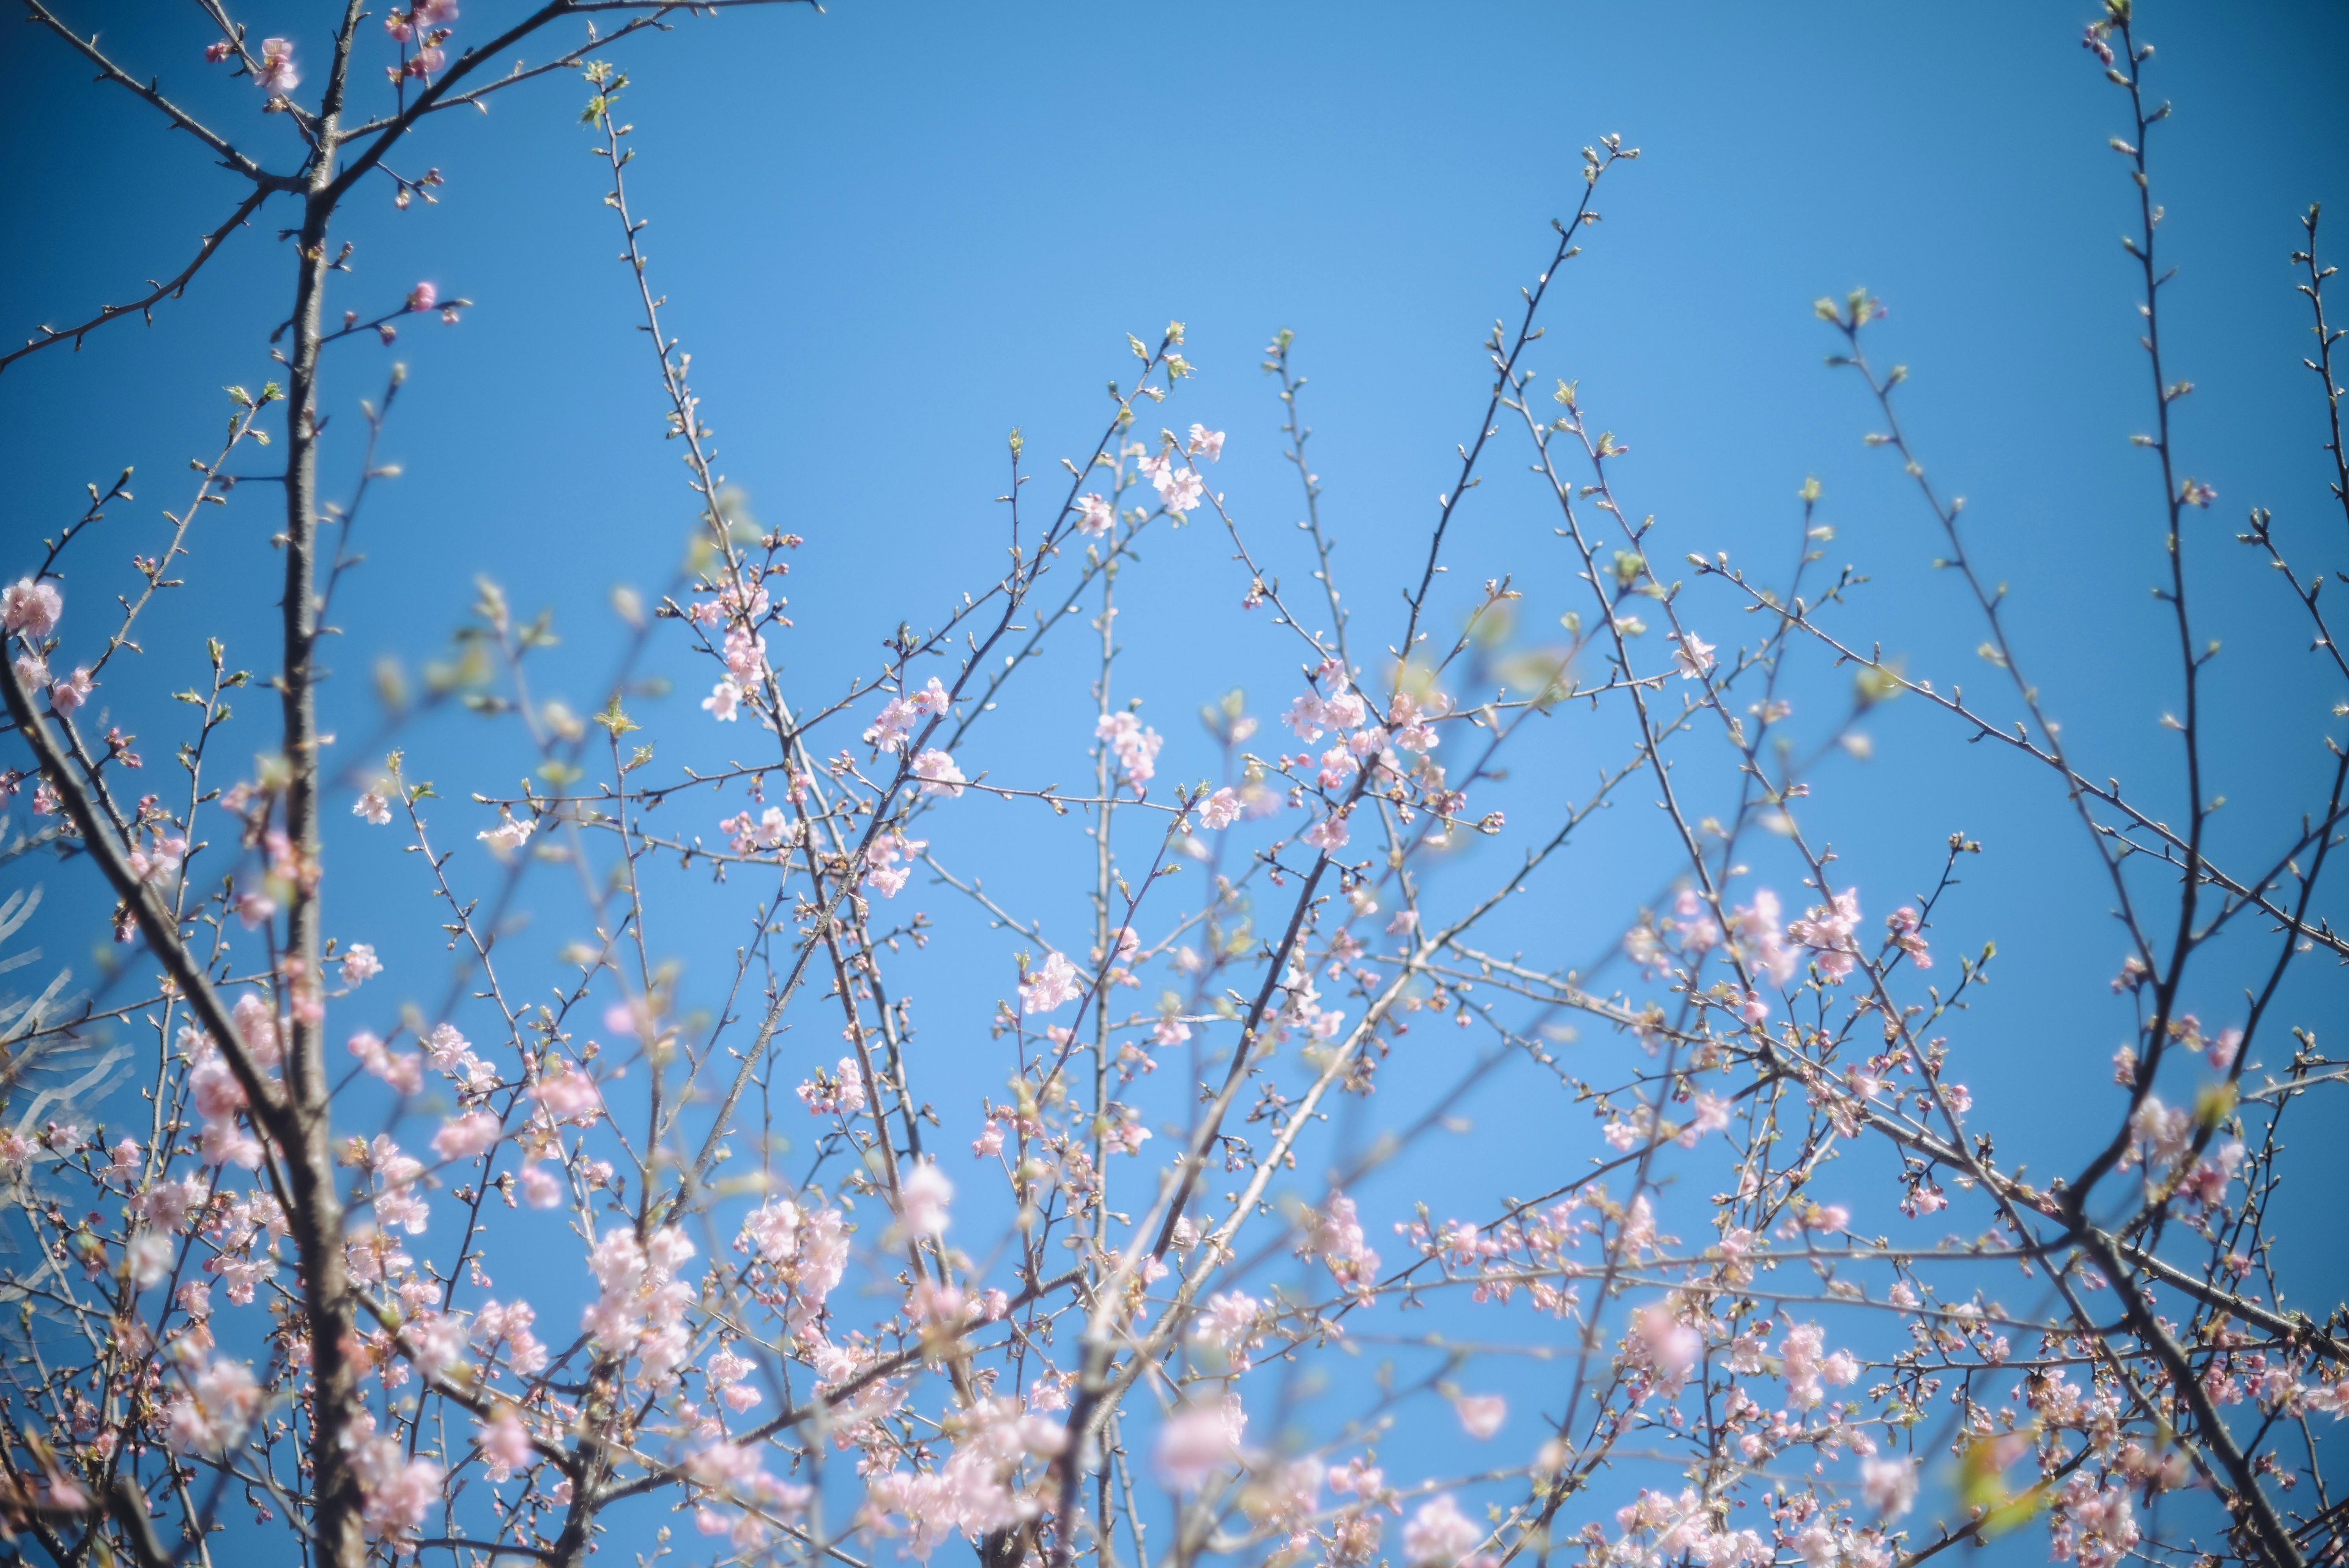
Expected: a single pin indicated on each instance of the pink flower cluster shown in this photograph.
(641, 1311)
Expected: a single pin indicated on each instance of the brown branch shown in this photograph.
(110, 71)
(387, 132)
(2266, 1527)
(156, 923)
(128, 1507)
(146, 304)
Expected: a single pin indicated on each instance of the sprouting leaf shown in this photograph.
(613, 721)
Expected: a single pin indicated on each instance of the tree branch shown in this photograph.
(171, 290)
(110, 71)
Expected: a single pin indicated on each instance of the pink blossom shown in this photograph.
(1205, 442)
(1890, 1485)
(1220, 810)
(256, 1025)
(932, 700)
(725, 1372)
(423, 297)
(446, 1048)
(435, 1342)
(891, 726)
(159, 861)
(1180, 491)
(1198, 1441)
(922, 1196)
(1305, 718)
(395, 1492)
(396, 1200)
(937, 773)
(1670, 1345)
(30, 608)
(2160, 1134)
(1337, 1238)
(1136, 748)
(1438, 1535)
(1481, 1415)
(641, 1311)
(891, 863)
(1692, 656)
(505, 1445)
(725, 700)
(212, 1408)
(539, 1189)
(360, 964)
(567, 1094)
(71, 692)
(1712, 1116)
(373, 807)
(1327, 834)
(1907, 931)
(1049, 985)
(1805, 1364)
(746, 657)
(1827, 931)
(466, 1136)
(509, 834)
(404, 1071)
(1095, 516)
(148, 1258)
(842, 1093)
(277, 75)
(1760, 937)
(773, 1230)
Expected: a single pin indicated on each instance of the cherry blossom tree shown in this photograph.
(258, 1244)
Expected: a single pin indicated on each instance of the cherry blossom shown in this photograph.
(1328, 834)
(1439, 1535)
(67, 695)
(1692, 656)
(32, 608)
(1050, 984)
(1198, 1441)
(1761, 1253)
(936, 772)
(923, 1197)
(510, 835)
(277, 75)
(1481, 1415)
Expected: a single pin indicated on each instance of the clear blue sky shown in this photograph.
(894, 232)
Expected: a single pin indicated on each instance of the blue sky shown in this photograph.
(892, 232)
